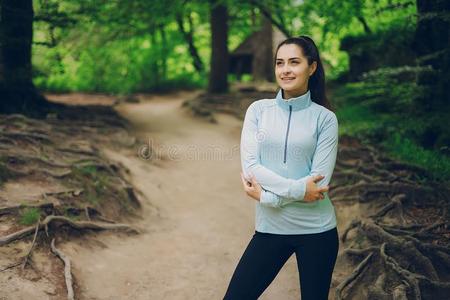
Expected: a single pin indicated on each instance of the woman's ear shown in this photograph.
(312, 68)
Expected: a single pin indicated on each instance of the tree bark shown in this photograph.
(189, 38)
(218, 76)
(262, 64)
(363, 21)
(432, 45)
(164, 52)
(17, 91)
(432, 32)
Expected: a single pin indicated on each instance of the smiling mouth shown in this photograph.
(288, 78)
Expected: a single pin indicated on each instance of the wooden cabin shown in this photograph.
(255, 55)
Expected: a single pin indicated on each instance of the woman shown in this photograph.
(288, 153)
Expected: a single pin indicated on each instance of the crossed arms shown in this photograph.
(277, 190)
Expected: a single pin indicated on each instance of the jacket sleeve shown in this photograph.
(250, 161)
(324, 161)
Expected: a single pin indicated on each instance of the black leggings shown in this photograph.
(267, 253)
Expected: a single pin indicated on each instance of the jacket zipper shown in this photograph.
(287, 133)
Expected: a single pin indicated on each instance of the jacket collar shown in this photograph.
(297, 103)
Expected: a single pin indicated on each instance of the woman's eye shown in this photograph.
(279, 63)
(295, 62)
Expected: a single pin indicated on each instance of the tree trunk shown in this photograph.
(262, 64)
(432, 33)
(17, 91)
(155, 61)
(218, 77)
(189, 38)
(363, 21)
(164, 52)
(432, 45)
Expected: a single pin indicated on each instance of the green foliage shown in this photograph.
(383, 110)
(329, 21)
(29, 216)
(120, 67)
(379, 49)
(409, 151)
(116, 47)
(124, 47)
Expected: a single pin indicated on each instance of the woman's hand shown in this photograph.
(252, 188)
(314, 193)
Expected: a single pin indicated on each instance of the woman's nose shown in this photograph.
(285, 71)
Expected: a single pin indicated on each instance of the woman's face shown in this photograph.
(292, 70)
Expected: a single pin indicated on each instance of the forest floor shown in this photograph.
(195, 221)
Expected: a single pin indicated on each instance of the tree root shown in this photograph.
(408, 276)
(353, 174)
(346, 199)
(400, 291)
(36, 136)
(77, 151)
(355, 223)
(46, 206)
(67, 270)
(25, 159)
(357, 271)
(132, 196)
(25, 261)
(75, 224)
(360, 252)
(406, 248)
(49, 207)
(414, 258)
(14, 209)
(396, 201)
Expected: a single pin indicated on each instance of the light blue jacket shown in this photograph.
(284, 143)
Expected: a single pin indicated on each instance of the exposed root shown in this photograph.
(77, 151)
(353, 174)
(406, 248)
(86, 211)
(27, 158)
(36, 136)
(132, 196)
(403, 243)
(408, 276)
(48, 152)
(400, 291)
(75, 224)
(360, 252)
(357, 271)
(355, 223)
(14, 209)
(67, 270)
(347, 199)
(396, 201)
(15, 264)
(25, 261)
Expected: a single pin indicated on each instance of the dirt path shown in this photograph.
(196, 218)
